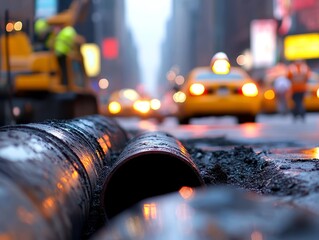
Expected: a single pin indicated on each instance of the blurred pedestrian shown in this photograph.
(298, 74)
(282, 87)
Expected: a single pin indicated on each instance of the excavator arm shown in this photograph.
(77, 12)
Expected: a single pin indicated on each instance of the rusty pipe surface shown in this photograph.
(48, 172)
(152, 164)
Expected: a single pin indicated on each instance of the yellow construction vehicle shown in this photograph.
(31, 80)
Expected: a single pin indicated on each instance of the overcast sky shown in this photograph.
(148, 18)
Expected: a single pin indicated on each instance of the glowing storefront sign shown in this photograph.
(301, 46)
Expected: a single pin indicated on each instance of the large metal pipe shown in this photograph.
(48, 172)
(152, 164)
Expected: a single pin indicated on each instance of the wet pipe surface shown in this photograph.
(49, 173)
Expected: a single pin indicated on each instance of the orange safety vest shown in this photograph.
(298, 74)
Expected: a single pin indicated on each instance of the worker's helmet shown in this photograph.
(41, 26)
(68, 32)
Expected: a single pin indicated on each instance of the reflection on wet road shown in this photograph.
(283, 133)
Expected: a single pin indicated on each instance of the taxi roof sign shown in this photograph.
(220, 63)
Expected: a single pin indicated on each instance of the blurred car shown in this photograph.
(217, 90)
(129, 103)
(311, 99)
(312, 94)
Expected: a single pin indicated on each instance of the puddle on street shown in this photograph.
(298, 153)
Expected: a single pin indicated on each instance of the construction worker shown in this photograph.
(298, 74)
(44, 35)
(63, 46)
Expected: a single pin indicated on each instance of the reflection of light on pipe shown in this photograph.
(25, 216)
(75, 175)
(105, 143)
(186, 192)
(59, 186)
(150, 211)
(182, 148)
(49, 206)
(86, 160)
(256, 235)
(57, 134)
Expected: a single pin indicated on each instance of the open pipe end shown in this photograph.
(146, 175)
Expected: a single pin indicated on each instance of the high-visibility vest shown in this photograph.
(64, 41)
(298, 73)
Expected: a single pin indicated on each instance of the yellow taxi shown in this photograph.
(218, 90)
(311, 99)
(312, 94)
(128, 102)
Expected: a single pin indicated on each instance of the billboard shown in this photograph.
(301, 46)
(263, 39)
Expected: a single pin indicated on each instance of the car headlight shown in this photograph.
(114, 107)
(142, 106)
(269, 94)
(249, 90)
(196, 89)
(155, 104)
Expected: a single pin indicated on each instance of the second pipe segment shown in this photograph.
(151, 164)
